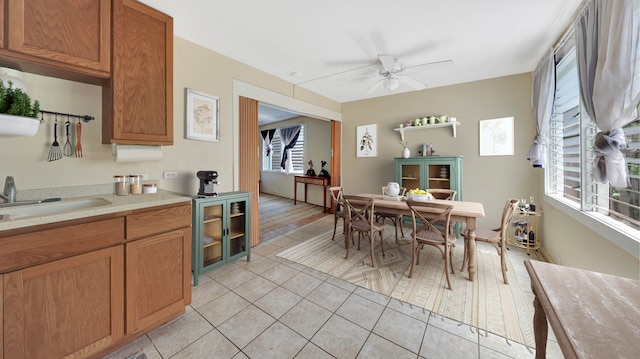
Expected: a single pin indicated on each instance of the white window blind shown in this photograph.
(272, 162)
(571, 156)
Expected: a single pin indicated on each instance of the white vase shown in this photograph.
(406, 153)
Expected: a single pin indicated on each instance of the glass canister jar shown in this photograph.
(121, 185)
(149, 188)
(135, 184)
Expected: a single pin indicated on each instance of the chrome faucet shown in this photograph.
(9, 194)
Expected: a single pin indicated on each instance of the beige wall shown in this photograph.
(571, 243)
(317, 148)
(194, 67)
(489, 180)
(469, 103)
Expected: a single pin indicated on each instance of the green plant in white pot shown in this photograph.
(18, 114)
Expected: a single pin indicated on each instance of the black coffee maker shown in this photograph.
(207, 180)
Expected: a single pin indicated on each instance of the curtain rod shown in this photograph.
(85, 118)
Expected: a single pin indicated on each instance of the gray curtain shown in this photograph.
(544, 88)
(267, 137)
(607, 54)
(289, 136)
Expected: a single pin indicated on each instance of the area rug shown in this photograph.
(486, 304)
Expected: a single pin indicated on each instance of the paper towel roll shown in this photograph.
(137, 153)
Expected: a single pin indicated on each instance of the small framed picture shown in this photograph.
(367, 143)
(496, 137)
(202, 116)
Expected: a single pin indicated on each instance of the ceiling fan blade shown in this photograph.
(413, 83)
(388, 62)
(376, 86)
(358, 77)
(439, 65)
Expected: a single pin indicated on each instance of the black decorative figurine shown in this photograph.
(311, 171)
(323, 172)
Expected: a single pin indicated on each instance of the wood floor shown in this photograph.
(279, 216)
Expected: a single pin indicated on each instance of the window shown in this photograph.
(571, 155)
(272, 161)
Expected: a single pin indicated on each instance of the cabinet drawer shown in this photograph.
(37, 247)
(158, 221)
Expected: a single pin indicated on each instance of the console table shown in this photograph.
(313, 180)
(593, 315)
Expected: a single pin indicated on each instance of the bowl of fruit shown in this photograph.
(420, 195)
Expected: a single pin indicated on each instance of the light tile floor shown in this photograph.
(273, 308)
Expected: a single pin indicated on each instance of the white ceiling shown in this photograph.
(317, 44)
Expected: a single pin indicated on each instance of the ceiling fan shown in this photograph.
(392, 72)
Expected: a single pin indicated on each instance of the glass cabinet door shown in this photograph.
(439, 176)
(410, 176)
(212, 232)
(237, 226)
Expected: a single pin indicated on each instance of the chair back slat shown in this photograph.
(403, 190)
(358, 208)
(507, 214)
(336, 195)
(446, 194)
(430, 213)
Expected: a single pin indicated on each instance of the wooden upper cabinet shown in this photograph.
(73, 35)
(138, 101)
(2, 30)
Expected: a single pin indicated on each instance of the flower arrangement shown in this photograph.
(404, 144)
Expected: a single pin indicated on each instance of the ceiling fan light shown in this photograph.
(391, 84)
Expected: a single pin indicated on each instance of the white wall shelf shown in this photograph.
(426, 127)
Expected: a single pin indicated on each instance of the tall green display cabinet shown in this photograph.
(221, 231)
(431, 172)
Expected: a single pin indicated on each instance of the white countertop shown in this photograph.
(115, 204)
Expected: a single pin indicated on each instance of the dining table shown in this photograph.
(464, 212)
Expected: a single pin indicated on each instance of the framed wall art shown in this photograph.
(496, 137)
(367, 141)
(202, 116)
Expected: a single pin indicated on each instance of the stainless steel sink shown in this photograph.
(44, 209)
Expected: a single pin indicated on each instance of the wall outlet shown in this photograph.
(169, 174)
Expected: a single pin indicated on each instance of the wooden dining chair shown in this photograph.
(424, 215)
(441, 193)
(338, 209)
(396, 219)
(497, 237)
(360, 218)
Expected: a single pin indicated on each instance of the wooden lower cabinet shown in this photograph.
(71, 307)
(81, 289)
(158, 278)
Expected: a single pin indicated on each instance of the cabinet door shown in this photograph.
(439, 175)
(211, 236)
(238, 225)
(158, 279)
(70, 32)
(410, 174)
(138, 106)
(68, 308)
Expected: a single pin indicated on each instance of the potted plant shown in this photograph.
(18, 114)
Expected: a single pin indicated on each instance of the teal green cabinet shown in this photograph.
(221, 231)
(431, 172)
